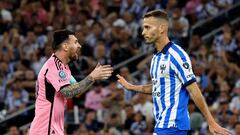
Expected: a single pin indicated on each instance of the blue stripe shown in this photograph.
(162, 84)
(169, 131)
(183, 57)
(174, 61)
(166, 56)
(183, 121)
(172, 96)
(157, 68)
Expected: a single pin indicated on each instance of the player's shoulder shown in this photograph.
(178, 52)
(177, 48)
(53, 62)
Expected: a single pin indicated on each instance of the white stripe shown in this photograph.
(153, 77)
(166, 95)
(152, 65)
(159, 104)
(173, 115)
(154, 112)
(158, 89)
(160, 109)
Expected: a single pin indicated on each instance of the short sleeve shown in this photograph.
(72, 80)
(182, 66)
(58, 78)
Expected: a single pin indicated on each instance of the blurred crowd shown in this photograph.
(110, 32)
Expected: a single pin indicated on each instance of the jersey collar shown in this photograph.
(53, 55)
(165, 48)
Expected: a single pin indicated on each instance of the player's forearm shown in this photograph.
(141, 88)
(201, 103)
(77, 88)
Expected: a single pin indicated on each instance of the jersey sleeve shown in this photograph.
(58, 78)
(182, 66)
(72, 80)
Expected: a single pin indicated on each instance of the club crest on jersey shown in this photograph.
(162, 67)
(62, 75)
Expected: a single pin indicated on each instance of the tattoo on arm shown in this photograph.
(77, 88)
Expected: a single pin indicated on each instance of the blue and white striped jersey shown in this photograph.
(171, 72)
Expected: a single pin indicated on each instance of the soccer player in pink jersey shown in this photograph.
(53, 84)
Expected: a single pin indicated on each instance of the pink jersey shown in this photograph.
(49, 106)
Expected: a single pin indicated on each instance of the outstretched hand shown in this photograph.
(123, 82)
(216, 129)
(101, 72)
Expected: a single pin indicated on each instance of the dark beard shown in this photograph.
(73, 58)
(149, 42)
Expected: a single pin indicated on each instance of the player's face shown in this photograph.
(151, 31)
(74, 48)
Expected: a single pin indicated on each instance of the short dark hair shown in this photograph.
(157, 13)
(60, 36)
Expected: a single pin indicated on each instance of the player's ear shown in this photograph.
(65, 47)
(163, 28)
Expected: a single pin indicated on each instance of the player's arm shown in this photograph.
(99, 73)
(139, 88)
(182, 66)
(79, 88)
(201, 104)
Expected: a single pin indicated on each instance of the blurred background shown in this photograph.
(110, 33)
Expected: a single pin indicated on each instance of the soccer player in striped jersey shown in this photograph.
(55, 84)
(173, 81)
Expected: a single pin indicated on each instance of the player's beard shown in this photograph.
(152, 37)
(75, 56)
(150, 41)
